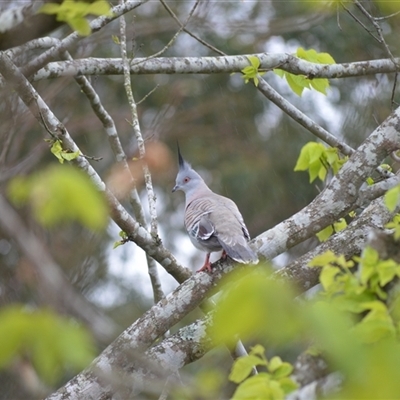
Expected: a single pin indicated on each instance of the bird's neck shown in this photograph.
(201, 190)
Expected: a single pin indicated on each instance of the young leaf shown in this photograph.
(325, 234)
(256, 387)
(243, 366)
(392, 198)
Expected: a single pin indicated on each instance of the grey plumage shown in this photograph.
(213, 222)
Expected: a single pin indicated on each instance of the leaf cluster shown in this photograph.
(61, 154)
(74, 13)
(351, 322)
(318, 159)
(360, 293)
(273, 384)
(300, 82)
(252, 72)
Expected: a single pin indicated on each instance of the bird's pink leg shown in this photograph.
(207, 264)
(224, 255)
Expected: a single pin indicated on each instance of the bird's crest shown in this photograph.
(182, 163)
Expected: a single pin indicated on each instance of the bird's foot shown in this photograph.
(206, 267)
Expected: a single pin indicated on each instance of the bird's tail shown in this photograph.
(240, 251)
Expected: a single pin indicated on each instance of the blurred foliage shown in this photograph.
(53, 344)
(74, 13)
(61, 194)
(349, 322)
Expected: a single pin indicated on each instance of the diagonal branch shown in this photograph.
(136, 232)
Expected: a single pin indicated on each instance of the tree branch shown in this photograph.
(214, 65)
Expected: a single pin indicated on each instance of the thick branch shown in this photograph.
(348, 242)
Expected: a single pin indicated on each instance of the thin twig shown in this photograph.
(152, 267)
(382, 40)
(194, 36)
(377, 28)
(147, 95)
(301, 118)
(172, 41)
(360, 22)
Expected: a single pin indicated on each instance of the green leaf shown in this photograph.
(340, 225)
(282, 371)
(368, 264)
(243, 366)
(313, 158)
(392, 198)
(280, 72)
(325, 234)
(288, 385)
(323, 259)
(328, 275)
(320, 84)
(49, 8)
(254, 61)
(268, 310)
(296, 83)
(387, 270)
(370, 181)
(100, 7)
(395, 224)
(258, 350)
(376, 325)
(117, 244)
(251, 72)
(70, 156)
(300, 82)
(80, 25)
(256, 387)
(312, 56)
(274, 363)
(74, 13)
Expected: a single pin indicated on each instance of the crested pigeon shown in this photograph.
(213, 222)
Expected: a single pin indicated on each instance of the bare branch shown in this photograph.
(152, 266)
(214, 65)
(301, 118)
(171, 42)
(203, 42)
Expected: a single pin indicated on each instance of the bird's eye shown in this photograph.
(186, 180)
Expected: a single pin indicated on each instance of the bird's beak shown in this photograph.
(175, 188)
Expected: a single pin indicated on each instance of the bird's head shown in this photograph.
(187, 180)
